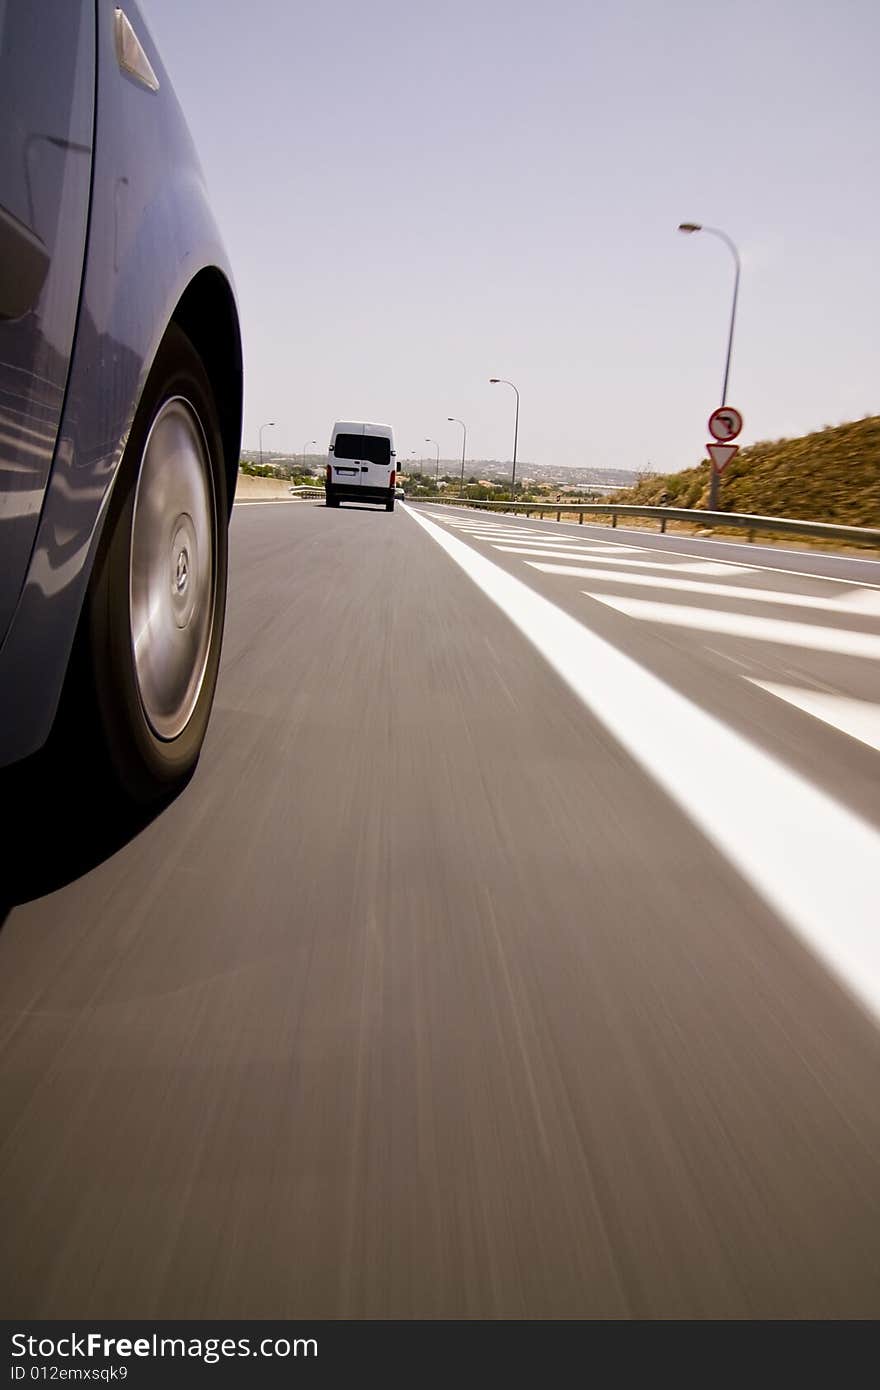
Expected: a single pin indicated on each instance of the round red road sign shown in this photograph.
(725, 423)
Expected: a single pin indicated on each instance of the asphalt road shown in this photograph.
(512, 953)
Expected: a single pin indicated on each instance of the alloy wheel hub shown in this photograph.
(173, 568)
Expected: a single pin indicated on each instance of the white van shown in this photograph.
(362, 464)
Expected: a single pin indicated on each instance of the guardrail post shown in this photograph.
(614, 519)
(580, 518)
(663, 526)
(559, 516)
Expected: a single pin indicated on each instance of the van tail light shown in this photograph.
(393, 477)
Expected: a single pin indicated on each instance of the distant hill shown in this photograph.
(832, 475)
(552, 473)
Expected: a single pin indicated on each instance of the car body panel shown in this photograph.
(153, 251)
(47, 99)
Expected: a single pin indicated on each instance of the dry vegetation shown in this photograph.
(832, 475)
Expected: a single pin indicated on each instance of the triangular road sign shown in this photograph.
(721, 454)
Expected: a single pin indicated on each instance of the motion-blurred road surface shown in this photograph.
(514, 951)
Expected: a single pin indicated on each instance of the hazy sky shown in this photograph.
(416, 197)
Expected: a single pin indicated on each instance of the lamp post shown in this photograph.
(500, 381)
(270, 424)
(716, 231)
(437, 464)
(305, 446)
(453, 421)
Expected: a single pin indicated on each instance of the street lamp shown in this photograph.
(500, 381)
(270, 424)
(437, 465)
(305, 446)
(453, 421)
(716, 231)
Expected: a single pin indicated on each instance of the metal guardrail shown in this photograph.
(820, 530)
(306, 491)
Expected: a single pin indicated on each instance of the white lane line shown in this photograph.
(867, 582)
(582, 568)
(556, 547)
(755, 628)
(860, 719)
(864, 603)
(815, 862)
(562, 543)
(485, 532)
(594, 552)
(477, 528)
(871, 579)
(518, 534)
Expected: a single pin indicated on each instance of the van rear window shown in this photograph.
(369, 448)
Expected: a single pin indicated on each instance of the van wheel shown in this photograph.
(389, 506)
(153, 623)
(331, 501)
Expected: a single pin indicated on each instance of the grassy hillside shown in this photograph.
(833, 475)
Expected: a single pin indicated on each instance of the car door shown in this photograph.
(47, 94)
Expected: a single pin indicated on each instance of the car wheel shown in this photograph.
(157, 598)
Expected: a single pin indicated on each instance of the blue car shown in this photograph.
(120, 401)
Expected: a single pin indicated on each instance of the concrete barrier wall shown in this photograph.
(250, 488)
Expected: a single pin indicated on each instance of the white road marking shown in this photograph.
(486, 532)
(861, 602)
(860, 719)
(519, 533)
(815, 862)
(725, 656)
(871, 578)
(480, 528)
(582, 570)
(555, 547)
(536, 547)
(757, 628)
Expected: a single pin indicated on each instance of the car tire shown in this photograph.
(153, 623)
(389, 506)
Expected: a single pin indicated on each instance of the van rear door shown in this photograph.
(376, 461)
(347, 462)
